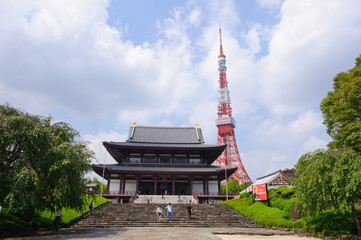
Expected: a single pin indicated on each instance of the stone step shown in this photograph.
(143, 215)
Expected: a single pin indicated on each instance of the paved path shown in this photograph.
(173, 233)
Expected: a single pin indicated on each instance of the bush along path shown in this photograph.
(278, 214)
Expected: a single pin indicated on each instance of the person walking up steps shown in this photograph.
(91, 206)
(159, 213)
(189, 211)
(169, 211)
(58, 219)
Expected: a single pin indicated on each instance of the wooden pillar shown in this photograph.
(121, 185)
(137, 184)
(108, 184)
(191, 184)
(204, 186)
(155, 185)
(207, 186)
(173, 186)
(219, 185)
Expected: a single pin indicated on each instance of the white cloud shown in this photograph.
(313, 144)
(270, 4)
(305, 123)
(253, 41)
(96, 145)
(302, 52)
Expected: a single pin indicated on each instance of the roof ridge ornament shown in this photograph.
(197, 131)
(134, 125)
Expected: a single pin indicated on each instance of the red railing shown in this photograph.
(201, 193)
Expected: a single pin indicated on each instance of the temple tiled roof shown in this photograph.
(165, 135)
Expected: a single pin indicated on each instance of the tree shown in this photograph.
(233, 186)
(328, 180)
(41, 164)
(341, 110)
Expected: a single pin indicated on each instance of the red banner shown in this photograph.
(259, 192)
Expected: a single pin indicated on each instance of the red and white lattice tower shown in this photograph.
(226, 124)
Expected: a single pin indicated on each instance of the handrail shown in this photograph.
(195, 197)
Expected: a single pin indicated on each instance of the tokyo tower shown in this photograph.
(226, 124)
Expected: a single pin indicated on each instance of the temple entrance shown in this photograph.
(164, 188)
(146, 188)
(182, 188)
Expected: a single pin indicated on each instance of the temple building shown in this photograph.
(163, 160)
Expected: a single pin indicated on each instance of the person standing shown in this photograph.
(169, 211)
(189, 211)
(58, 219)
(91, 206)
(159, 213)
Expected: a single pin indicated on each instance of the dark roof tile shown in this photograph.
(171, 135)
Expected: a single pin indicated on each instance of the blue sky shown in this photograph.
(100, 65)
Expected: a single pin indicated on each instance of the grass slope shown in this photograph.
(12, 225)
(260, 212)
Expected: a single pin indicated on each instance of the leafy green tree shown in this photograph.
(328, 180)
(341, 110)
(41, 164)
(233, 186)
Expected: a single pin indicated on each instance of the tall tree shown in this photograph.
(41, 164)
(328, 180)
(342, 109)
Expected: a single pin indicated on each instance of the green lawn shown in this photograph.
(10, 225)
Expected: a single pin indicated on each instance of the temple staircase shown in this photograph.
(143, 215)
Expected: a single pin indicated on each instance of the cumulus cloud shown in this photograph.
(95, 143)
(270, 4)
(313, 144)
(303, 49)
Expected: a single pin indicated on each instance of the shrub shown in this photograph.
(259, 212)
(329, 223)
(282, 198)
(12, 225)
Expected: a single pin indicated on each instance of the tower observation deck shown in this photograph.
(226, 124)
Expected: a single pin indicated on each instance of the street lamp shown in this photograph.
(244, 180)
(101, 189)
(225, 173)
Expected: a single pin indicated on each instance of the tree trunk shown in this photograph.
(354, 212)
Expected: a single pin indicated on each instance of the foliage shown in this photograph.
(246, 197)
(328, 180)
(95, 180)
(15, 226)
(41, 164)
(328, 223)
(276, 216)
(10, 225)
(341, 110)
(282, 198)
(233, 186)
(259, 212)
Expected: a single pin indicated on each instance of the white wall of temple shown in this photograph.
(213, 186)
(130, 185)
(197, 186)
(114, 184)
